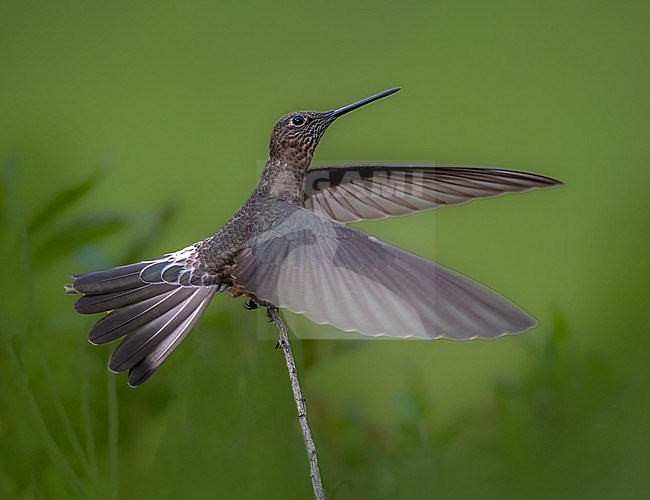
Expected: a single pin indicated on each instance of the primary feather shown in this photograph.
(340, 276)
(371, 192)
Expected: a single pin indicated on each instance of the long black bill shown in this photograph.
(351, 107)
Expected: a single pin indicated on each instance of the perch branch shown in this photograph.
(314, 472)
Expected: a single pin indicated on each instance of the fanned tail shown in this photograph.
(153, 316)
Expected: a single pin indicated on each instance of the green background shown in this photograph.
(130, 129)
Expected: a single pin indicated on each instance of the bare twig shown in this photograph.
(314, 472)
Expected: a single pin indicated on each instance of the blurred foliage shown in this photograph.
(109, 109)
(555, 409)
(38, 412)
(73, 439)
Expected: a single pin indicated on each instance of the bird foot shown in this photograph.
(253, 304)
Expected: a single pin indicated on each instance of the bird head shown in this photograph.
(297, 134)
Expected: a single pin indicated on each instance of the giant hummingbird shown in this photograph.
(289, 247)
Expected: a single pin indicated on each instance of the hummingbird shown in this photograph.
(289, 247)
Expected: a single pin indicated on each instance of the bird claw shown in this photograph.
(269, 310)
(251, 305)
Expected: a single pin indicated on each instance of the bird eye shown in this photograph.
(297, 120)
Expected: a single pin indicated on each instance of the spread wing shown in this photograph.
(354, 193)
(340, 276)
(152, 304)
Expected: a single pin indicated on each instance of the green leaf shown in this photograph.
(9, 172)
(62, 201)
(160, 221)
(82, 232)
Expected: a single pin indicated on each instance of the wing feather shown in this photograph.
(354, 193)
(337, 275)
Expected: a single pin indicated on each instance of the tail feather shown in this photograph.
(139, 343)
(145, 368)
(124, 320)
(92, 304)
(113, 280)
(153, 318)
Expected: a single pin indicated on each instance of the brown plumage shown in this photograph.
(287, 247)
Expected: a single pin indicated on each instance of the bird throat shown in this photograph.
(284, 176)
